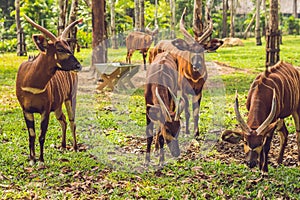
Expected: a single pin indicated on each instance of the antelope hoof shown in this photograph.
(75, 147)
(41, 165)
(264, 174)
(63, 145)
(32, 162)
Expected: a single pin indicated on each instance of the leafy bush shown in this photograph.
(291, 25)
(8, 45)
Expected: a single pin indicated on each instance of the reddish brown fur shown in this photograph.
(161, 74)
(138, 41)
(284, 80)
(190, 81)
(41, 87)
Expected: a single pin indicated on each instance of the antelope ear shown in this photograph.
(232, 137)
(180, 44)
(40, 42)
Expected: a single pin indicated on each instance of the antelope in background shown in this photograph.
(46, 82)
(273, 96)
(191, 67)
(162, 106)
(140, 41)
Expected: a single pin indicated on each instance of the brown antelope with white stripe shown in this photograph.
(191, 68)
(140, 41)
(162, 106)
(46, 82)
(273, 96)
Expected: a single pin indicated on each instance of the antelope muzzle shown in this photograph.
(70, 63)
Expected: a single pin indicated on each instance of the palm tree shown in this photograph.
(21, 47)
(72, 18)
(99, 54)
(137, 15)
(114, 44)
(295, 14)
(173, 18)
(232, 15)
(224, 18)
(273, 36)
(257, 24)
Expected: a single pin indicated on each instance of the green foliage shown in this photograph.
(291, 25)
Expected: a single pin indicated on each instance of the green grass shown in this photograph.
(112, 127)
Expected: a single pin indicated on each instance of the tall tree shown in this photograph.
(264, 6)
(72, 18)
(273, 36)
(173, 18)
(232, 16)
(63, 5)
(224, 18)
(114, 43)
(295, 14)
(142, 15)
(137, 24)
(99, 53)
(197, 18)
(257, 24)
(21, 47)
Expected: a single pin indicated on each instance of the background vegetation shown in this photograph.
(48, 17)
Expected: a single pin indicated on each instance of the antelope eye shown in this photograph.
(60, 50)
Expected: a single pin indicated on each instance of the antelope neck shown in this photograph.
(38, 75)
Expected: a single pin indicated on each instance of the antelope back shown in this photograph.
(163, 71)
(138, 40)
(285, 80)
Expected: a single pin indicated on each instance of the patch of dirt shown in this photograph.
(223, 68)
(227, 153)
(86, 82)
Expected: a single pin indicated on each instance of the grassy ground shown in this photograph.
(112, 143)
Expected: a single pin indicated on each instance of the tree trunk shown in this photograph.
(137, 26)
(257, 24)
(197, 19)
(266, 17)
(295, 14)
(232, 13)
(249, 26)
(142, 15)
(156, 23)
(273, 36)
(21, 46)
(99, 53)
(173, 19)
(224, 19)
(62, 16)
(73, 32)
(114, 42)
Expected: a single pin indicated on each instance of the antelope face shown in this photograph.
(253, 145)
(172, 132)
(197, 61)
(195, 54)
(65, 60)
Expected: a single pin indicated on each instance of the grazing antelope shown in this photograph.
(46, 82)
(140, 41)
(273, 96)
(162, 106)
(191, 68)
